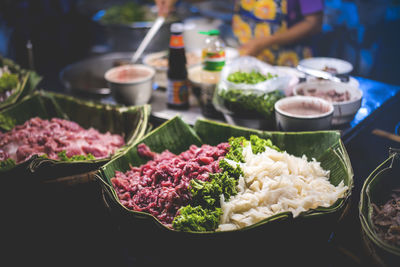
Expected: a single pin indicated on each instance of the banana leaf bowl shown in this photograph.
(267, 240)
(131, 122)
(27, 82)
(376, 190)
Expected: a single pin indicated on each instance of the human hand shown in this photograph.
(254, 47)
(165, 7)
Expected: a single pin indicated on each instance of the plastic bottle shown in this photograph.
(213, 57)
(177, 87)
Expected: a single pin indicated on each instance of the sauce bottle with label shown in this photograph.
(177, 86)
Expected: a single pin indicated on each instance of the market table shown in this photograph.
(79, 231)
(375, 95)
(379, 108)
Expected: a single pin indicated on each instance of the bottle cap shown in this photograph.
(177, 27)
(211, 32)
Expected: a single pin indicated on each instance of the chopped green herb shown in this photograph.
(236, 148)
(258, 144)
(196, 219)
(6, 122)
(63, 157)
(227, 184)
(234, 172)
(247, 101)
(252, 77)
(7, 164)
(206, 194)
(8, 81)
(124, 14)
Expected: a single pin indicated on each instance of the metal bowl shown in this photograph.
(87, 76)
(131, 84)
(290, 119)
(128, 36)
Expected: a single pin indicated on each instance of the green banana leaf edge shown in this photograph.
(210, 132)
(369, 191)
(28, 81)
(131, 121)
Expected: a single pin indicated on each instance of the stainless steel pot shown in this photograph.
(129, 37)
(87, 76)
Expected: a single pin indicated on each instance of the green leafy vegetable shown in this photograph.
(252, 77)
(250, 102)
(6, 122)
(227, 183)
(206, 194)
(258, 144)
(124, 14)
(196, 219)
(7, 164)
(8, 81)
(236, 148)
(11, 65)
(234, 172)
(63, 157)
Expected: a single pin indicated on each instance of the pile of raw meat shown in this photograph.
(160, 187)
(50, 137)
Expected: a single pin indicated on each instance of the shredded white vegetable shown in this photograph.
(276, 182)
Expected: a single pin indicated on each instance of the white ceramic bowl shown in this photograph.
(344, 110)
(131, 84)
(320, 63)
(303, 113)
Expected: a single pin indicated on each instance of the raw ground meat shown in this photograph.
(160, 187)
(38, 136)
(386, 219)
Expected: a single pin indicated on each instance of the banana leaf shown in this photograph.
(28, 81)
(130, 122)
(377, 189)
(280, 230)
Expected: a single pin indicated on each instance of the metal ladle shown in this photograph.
(146, 40)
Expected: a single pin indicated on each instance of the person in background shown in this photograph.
(165, 7)
(278, 32)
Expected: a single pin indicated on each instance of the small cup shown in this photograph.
(131, 84)
(303, 113)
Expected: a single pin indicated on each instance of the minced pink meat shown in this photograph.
(38, 136)
(160, 187)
